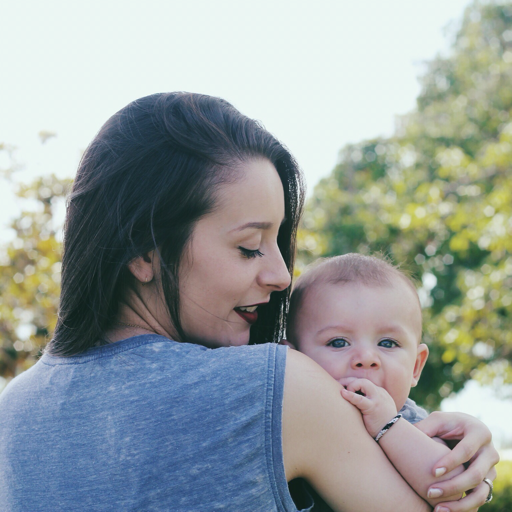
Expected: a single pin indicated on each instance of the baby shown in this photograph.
(360, 319)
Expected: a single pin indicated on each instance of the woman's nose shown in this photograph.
(275, 275)
(366, 359)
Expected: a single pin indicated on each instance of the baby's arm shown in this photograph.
(411, 452)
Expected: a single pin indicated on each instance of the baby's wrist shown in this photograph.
(386, 427)
(377, 422)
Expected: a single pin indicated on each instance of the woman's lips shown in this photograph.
(249, 317)
(249, 313)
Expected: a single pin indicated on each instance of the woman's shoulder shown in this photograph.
(157, 359)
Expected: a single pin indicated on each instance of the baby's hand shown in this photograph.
(374, 402)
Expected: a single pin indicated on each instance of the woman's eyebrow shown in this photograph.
(256, 225)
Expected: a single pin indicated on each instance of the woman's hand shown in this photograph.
(474, 449)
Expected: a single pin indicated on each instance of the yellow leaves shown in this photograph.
(434, 193)
(441, 201)
(313, 243)
(404, 221)
(451, 157)
(459, 242)
(498, 154)
(449, 355)
(45, 135)
(454, 163)
(502, 484)
(29, 282)
(314, 218)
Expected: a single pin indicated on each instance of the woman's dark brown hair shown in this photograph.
(148, 176)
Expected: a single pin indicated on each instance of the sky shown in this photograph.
(319, 75)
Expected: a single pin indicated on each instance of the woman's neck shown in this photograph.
(139, 313)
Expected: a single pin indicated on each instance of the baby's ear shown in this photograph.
(421, 359)
(288, 344)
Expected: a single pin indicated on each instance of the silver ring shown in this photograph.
(490, 484)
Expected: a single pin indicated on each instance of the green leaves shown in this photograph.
(437, 198)
(30, 276)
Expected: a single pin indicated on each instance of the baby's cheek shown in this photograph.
(320, 358)
(399, 391)
(334, 369)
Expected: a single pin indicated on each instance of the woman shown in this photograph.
(181, 226)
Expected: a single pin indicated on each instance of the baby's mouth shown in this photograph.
(248, 313)
(345, 381)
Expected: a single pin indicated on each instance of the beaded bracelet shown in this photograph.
(387, 426)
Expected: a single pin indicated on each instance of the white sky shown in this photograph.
(317, 74)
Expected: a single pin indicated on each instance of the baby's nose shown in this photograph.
(366, 359)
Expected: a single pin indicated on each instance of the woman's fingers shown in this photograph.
(470, 503)
(469, 479)
(475, 443)
(471, 448)
(452, 424)
(478, 468)
(475, 447)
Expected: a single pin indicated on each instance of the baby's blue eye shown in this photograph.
(338, 343)
(387, 343)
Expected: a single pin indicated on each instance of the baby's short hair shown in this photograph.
(348, 268)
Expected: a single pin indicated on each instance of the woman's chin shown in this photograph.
(238, 339)
(239, 342)
(229, 341)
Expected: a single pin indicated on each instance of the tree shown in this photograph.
(30, 274)
(437, 198)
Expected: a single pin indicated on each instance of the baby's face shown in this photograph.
(357, 331)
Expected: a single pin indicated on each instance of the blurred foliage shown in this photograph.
(502, 500)
(437, 198)
(30, 273)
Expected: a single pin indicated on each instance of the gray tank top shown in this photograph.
(146, 424)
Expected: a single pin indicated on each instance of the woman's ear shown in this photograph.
(288, 344)
(421, 359)
(142, 267)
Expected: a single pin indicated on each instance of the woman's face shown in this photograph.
(233, 263)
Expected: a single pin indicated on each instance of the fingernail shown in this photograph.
(441, 509)
(440, 471)
(435, 493)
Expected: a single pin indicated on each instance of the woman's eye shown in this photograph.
(338, 343)
(387, 343)
(249, 253)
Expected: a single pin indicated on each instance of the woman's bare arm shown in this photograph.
(325, 442)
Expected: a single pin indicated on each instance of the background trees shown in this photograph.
(30, 274)
(437, 198)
